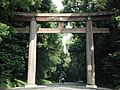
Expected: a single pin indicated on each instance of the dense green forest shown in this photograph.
(51, 60)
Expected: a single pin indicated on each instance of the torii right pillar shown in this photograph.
(90, 54)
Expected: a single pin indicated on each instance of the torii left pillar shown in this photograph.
(90, 55)
(32, 54)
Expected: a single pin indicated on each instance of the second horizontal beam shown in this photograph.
(63, 30)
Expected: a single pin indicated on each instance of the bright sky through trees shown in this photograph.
(59, 4)
(66, 36)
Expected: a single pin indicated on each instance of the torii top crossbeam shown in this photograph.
(62, 16)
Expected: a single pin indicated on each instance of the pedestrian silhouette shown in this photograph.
(62, 78)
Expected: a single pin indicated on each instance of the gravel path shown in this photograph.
(56, 86)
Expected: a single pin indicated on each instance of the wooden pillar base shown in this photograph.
(30, 86)
(91, 86)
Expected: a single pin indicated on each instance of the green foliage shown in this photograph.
(118, 21)
(7, 83)
(12, 59)
(99, 5)
(79, 6)
(49, 54)
(19, 83)
(4, 30)
(77, 54)
(43, 82)
(74, 6)
(107, 59)
(113, 5)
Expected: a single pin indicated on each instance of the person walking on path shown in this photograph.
(62, 78)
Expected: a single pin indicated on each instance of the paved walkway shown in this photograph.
(66, 86)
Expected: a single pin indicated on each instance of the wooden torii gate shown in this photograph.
(61, 18)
